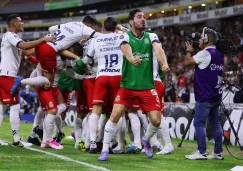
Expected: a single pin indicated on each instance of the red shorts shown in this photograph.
(67, 95)
(6, 84)
(80, 101)
(160, 88)
(48, 98)
(105, 90)
(148, 99)
(47, 57)
(88, 86)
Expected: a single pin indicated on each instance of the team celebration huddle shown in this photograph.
(116, 75)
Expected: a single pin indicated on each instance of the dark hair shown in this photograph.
(110, 24)
(133, 13)
(77, 49)
(98, 24)
(12, 17)
(89, 20)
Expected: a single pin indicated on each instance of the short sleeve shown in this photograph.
(202, 59)
(54, 28)
(91, 49)
(124, 39)
(88, 32)
(14, 39)
(154, 38)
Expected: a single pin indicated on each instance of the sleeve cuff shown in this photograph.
(89, 56)
(123, 42)
(91, 36)
(17, 45)
(156, 41)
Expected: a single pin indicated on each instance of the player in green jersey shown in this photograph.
(137, 80)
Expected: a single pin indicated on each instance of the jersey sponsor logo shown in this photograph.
(117, 98)
(143, 57)
(109, 49)
(68, 29)
(107, 39)
(50, 104)
(146, 41)
(154, 92)
(121, 37)
(110, 70)
(214, 67)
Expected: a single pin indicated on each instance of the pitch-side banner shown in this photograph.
(178, 116)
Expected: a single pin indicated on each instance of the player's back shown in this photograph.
(10, 54)
(70, 33)
(108, 54)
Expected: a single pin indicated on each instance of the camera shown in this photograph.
(226, 46)
(193, 39)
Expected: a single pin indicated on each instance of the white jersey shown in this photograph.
(61, 64)
(106, 49)
(70, 33)
(89, 73)
(10, 54)
(156, 68)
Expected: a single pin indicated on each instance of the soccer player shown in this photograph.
(67, 34)
(106, 49)
(11, 49)
(137, 80)
(89, 79)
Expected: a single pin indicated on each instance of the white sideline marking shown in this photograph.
(69, 159)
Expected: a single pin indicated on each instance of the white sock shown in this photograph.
(15, 121)
(102, 122)
(121, 134)
(40, 80)
(130, 134)
(165, 131)
(3, 107)
(48, 125)
(154, 141)
(93, 126)
(143, 119)
(58, 119)
(135, 125)
(151, 130)
(58, 124)
(62, 125)
(87, 138)
(110, 130)
(159, 135)
(84, 126)
(78, 129)
(38, 121)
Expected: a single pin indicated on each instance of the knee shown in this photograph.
(155, 122)
(62, 108)
(199, 123)
(52, 111)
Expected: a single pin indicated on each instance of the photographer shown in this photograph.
(208, 76)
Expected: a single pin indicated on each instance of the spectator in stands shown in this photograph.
(185, 94)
